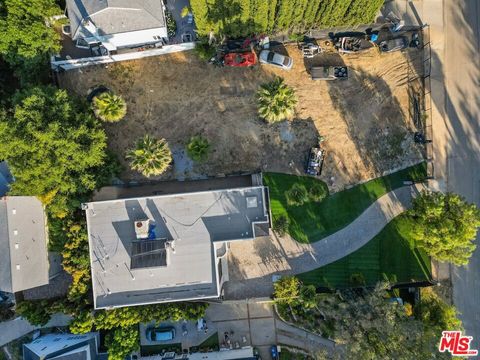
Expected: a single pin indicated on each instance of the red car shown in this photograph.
(240, 59)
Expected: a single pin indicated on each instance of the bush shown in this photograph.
(109, 107)
(317, 192)
(150, 156)
(171, 23)
(280, 224)
(35, 312)
(297, 195)
(198, 148)
(276, 101)
(204, 50)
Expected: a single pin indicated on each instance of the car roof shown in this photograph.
(278, 58)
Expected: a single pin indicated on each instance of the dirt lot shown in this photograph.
(176, 96)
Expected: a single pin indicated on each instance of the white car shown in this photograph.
(276, 59)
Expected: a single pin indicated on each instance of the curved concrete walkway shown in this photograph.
(252, 263)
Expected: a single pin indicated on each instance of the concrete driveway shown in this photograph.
(255, 324)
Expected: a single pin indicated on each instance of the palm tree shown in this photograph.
(150, 156)
(109, 107)
(276, 101)
(198, 148)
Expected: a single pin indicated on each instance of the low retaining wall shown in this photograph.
(65, 65)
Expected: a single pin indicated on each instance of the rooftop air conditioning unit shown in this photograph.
(142, 228)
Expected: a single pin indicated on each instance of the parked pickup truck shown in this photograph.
(315, 162)
(329, 72)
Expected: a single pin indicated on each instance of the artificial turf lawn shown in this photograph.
(313, 221)
(391, 255)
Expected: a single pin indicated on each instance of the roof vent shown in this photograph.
(251, 202)
(15, 232)
(18, 266)
(17, 246)
(14, 211)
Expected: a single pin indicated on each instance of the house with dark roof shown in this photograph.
(23, 244)
(107, 26)
(167, 248)
(63, 347)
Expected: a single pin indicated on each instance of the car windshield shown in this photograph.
(270, 56)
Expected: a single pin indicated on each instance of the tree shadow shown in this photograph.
(376, 122)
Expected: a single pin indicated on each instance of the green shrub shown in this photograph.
(150, 156)
(280, 224)
(198, 148)
(171, 23)
(297, 195)
(276, 101)
(204, 50)
(317, 192)
(109, 107)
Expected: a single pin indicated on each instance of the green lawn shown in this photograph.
(313, 221)
(390, 255)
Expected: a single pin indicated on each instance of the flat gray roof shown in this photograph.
(23, 244)
(191, 222)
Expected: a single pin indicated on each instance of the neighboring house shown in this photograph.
(63, 347)
(106, 26)
(6, 178)
(171, 247)
(23, 244)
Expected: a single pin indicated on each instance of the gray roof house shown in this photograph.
(63, 347)
(116, 24)
(23, 244)
(169, 248)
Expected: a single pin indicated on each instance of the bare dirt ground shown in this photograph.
(364, 119)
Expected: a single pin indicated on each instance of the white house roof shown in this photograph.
(23, 244)
(127, 271)
(113, 16)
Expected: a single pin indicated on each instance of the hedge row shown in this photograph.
(244, 17)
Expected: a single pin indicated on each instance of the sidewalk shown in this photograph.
(422, 12)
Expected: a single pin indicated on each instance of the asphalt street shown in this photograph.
(462, 105)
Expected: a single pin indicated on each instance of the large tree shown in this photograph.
(53, 147)
(445, 226)
(26, 39)
(372, 326)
